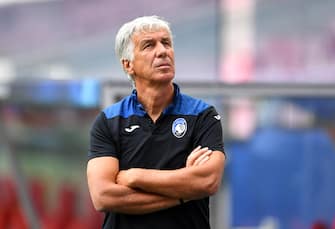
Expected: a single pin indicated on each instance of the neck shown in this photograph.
(155, 99)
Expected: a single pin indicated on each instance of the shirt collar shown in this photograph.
(168, 109)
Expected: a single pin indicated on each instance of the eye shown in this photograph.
(147, 45)
(166, 43)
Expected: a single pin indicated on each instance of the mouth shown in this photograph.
(162, 65)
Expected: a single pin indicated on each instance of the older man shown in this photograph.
(157, 155)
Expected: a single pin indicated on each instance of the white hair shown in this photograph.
(124, 46)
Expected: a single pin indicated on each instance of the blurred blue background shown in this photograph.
(268, 67)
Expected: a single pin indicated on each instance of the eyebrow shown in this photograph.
(166, 39)
(145, 40)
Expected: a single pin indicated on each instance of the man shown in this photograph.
(157, 155)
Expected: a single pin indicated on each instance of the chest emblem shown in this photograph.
(179, 127)
(131, 128)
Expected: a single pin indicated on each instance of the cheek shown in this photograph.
(172, 56)
(142, 66)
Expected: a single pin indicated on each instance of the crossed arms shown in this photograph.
(140, 191)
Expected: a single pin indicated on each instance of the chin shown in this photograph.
(167, 77)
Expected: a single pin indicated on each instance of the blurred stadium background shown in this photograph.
(267, 65)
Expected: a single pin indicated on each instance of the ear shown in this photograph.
(127, 66)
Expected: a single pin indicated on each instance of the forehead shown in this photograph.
(150, 34)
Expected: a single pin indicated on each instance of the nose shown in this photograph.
(161, 50)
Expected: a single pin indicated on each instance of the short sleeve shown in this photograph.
(102, 141)
(208, 131)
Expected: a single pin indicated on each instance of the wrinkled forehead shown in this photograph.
(152, 28)
(151, 33)
(158, 34)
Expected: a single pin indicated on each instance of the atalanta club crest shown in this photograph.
(179, 127)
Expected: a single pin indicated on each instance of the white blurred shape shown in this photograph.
(58, 72)
(269, 223)
(7, 70)
(242, 119)
(292, 116)
(11, 2)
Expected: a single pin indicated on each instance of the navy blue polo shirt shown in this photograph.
(125, 131)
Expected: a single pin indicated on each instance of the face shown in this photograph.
(153, 57)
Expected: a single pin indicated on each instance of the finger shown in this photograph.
(203, 158)
(203, 161)
(195, 154)
(195, 150)
(122, 177)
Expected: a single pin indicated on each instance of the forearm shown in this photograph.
(133, 201)
(123, 199)
(143, 203)
(189, 183)
(179, 183)
(107, 195)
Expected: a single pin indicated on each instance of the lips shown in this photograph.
(163, 64)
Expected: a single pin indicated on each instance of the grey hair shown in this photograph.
(124, 46)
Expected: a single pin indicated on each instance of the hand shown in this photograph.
(198, 156)
(126, 177)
